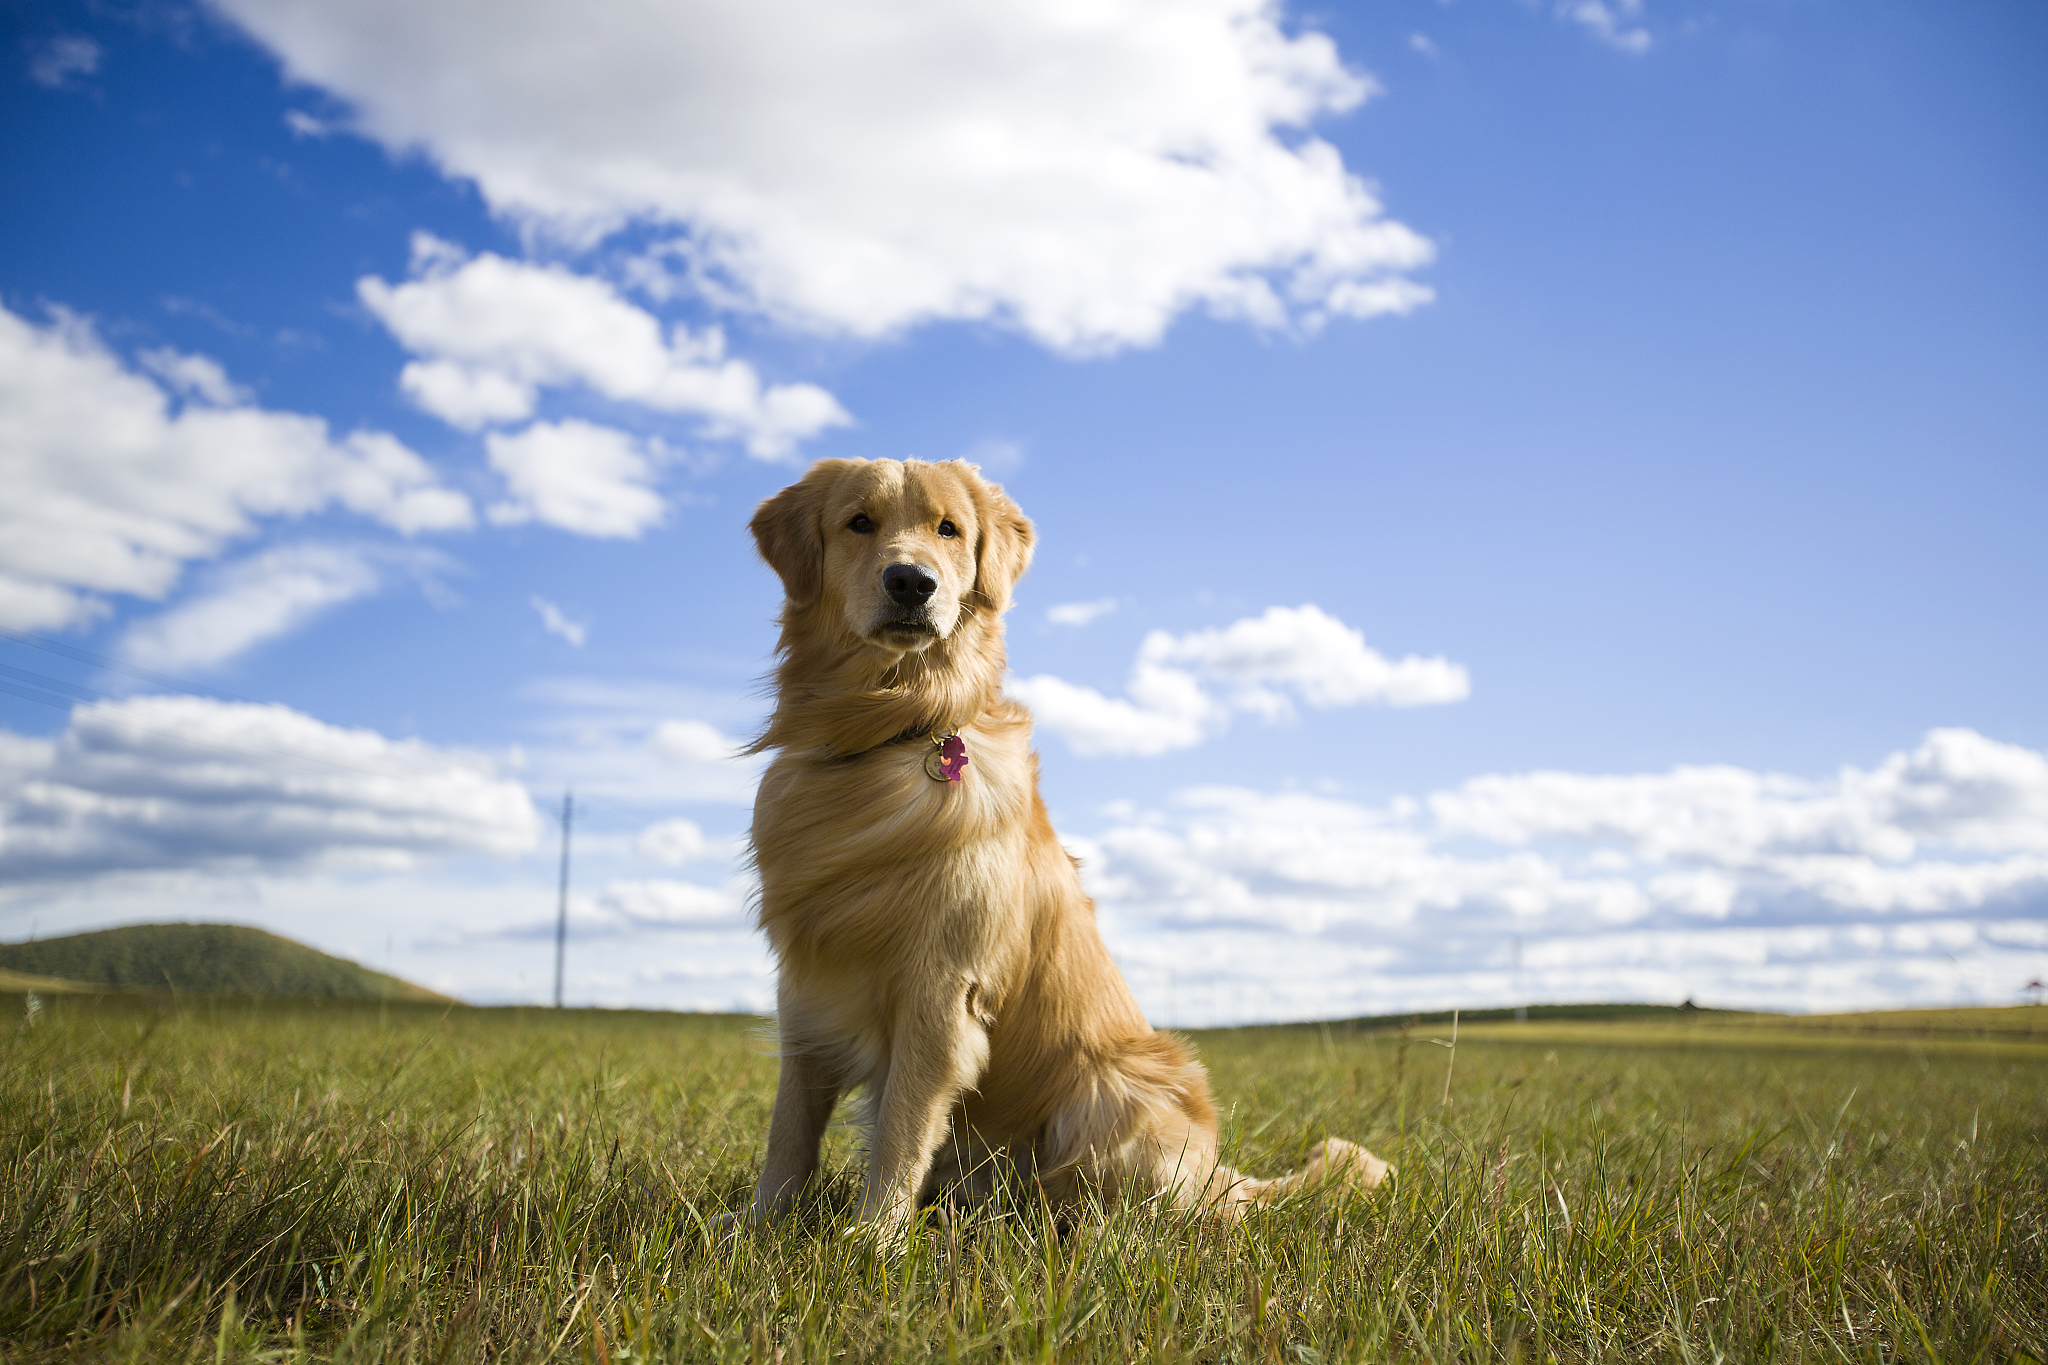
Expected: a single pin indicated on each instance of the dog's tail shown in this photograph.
(1333, 1164)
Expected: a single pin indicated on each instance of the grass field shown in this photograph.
(241, 1181)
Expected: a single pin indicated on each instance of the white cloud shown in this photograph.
(194, 376)
(164, 783)
(633, 908)
(494, 332)
(556, 623)
(304, 124)
(674, 843)
(636, 905)
(1262, 664)
(1309, 653)
(592, 480)
(257, 599)
(1420, 42)
(1166, 710)
(1080, 613)
(617, 741)
(1085, 173)
(110, 489)
(1739, 886)
(52, 64)
(1957, 788)
(1609, 25)
(996, 456)
(693, 741)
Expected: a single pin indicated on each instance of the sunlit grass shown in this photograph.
(277, 1182)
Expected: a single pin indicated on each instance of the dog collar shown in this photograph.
(947, 760)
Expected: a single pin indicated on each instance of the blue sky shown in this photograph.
(1565, 476)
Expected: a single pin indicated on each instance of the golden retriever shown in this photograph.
(935, 945)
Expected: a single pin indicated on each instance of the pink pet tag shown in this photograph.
(947, 762)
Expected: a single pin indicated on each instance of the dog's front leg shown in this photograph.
(805, 1092)
(938, 1050)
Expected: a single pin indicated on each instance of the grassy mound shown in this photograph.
(197, 959)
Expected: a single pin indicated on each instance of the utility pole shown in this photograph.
(562, 900)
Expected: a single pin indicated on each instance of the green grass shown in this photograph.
(196, 959)
(277, 1182)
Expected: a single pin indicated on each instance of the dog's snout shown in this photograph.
(909, 585)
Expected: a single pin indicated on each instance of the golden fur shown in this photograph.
(935, 944)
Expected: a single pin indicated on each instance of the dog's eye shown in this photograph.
(860, 525)
(948, 529)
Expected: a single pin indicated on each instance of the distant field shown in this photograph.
(343, 1181)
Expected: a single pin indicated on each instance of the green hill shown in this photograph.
(200, 959)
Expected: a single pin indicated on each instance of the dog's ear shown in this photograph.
(790, 537)
(1005, 549)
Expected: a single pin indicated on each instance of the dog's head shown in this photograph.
(899, 553)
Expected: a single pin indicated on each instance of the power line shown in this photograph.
(86, 656)
(78, 691)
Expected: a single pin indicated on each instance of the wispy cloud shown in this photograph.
(555, 622)
(641, 746)
(262, 598)
(53, 63)
(1080, 613)
(1609, 24)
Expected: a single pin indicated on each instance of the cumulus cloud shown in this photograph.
(1957, 788)
(556, 622)
(1080, 613)
(1305, 652)
(1746, 887)
(1084, 174)
(257, 599)
(592, 480)
(1184, 688)
(493, 332)
(177, 783)
(1609, 24)
(113, 488)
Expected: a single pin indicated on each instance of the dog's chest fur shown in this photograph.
(867, 864)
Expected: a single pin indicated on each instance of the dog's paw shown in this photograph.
(1344, 1162)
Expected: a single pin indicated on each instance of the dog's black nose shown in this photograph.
(909, 585)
